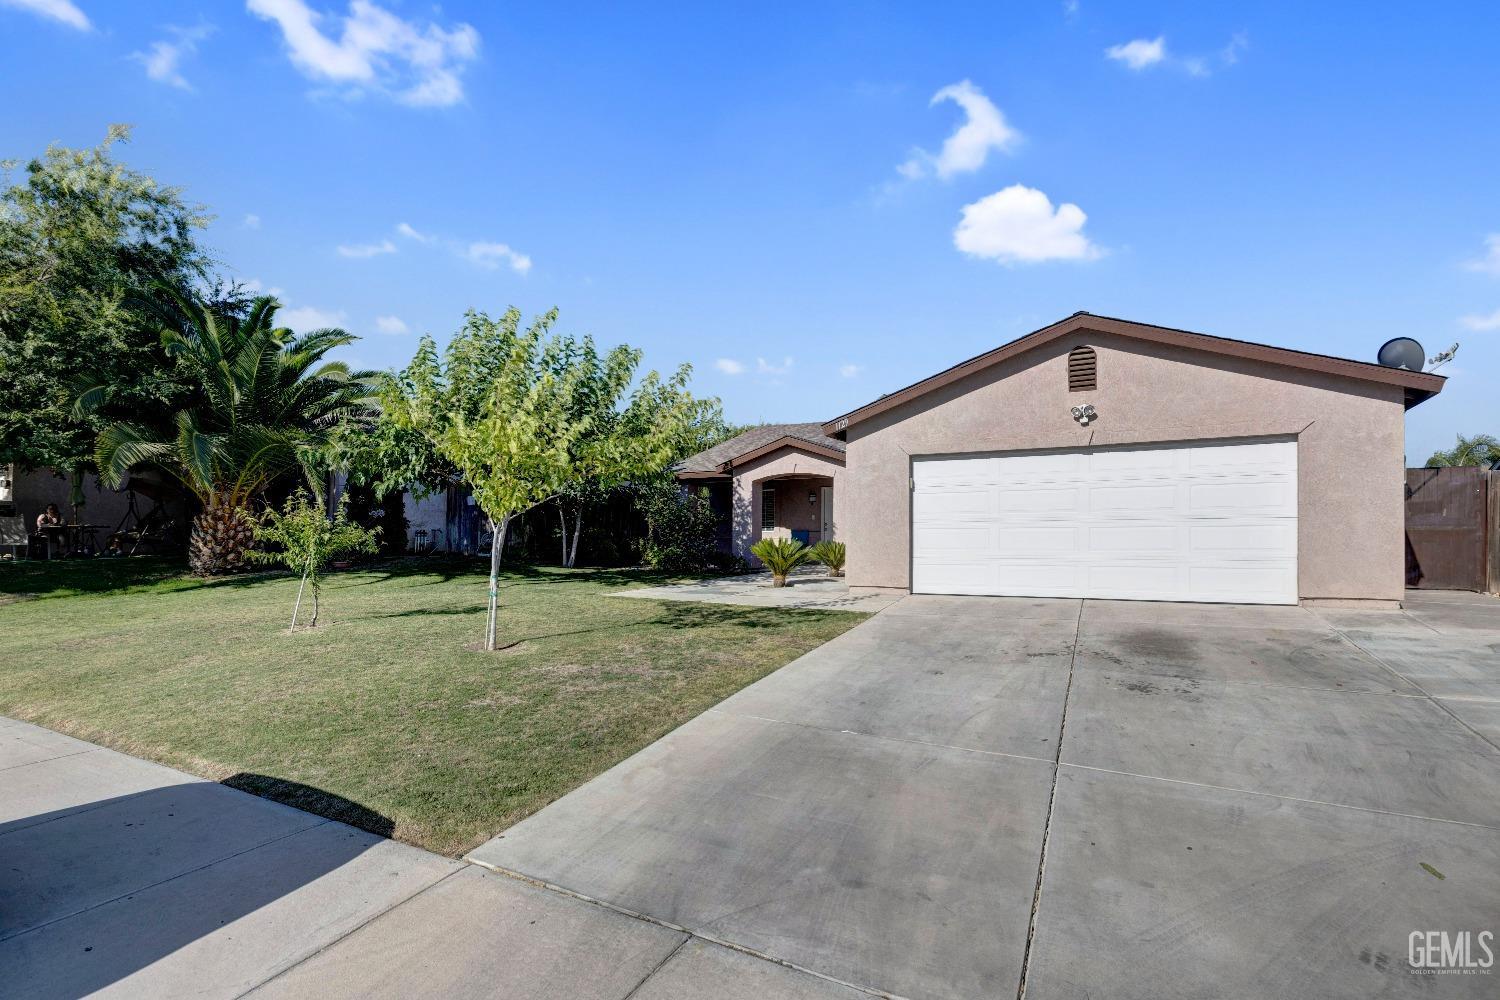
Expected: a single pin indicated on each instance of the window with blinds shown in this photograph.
(767, 508)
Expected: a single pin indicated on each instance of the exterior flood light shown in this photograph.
(1083, 414)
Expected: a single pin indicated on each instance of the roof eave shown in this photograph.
(1420, 386)
(795, 443)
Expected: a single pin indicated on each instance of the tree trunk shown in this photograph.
(562, 515)
(300, 588)
(497, 542)
(314, 622)
(577, 527)
(221, 536)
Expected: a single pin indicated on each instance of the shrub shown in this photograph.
(781, 556)
(830, 554)
(680, 529)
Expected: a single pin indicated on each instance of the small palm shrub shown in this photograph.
(780, 556)
(830, 554)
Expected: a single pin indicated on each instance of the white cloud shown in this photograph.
(164, 58)
(254, 287)
(406, 230)
(392, 325)
(764, 367)
(1482, 322)
(492, 255)
(366, 249)
(965, 151)
(729, 366)
(1143, 53)
(1019, 226)
(1070, 9)
(1140, 53)
(850, 370)
(1230, 54)
(252, 221)
(58, 10)
(305, 318)
(1490, 262)
(375, 50)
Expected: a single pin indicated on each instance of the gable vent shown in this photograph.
(1083, 369)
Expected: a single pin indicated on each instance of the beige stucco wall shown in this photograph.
(751, 478)
(1350, 444)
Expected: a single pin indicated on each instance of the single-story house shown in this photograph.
(1100, 458)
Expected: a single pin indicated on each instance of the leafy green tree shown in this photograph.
(83, 240)
(1481, 449)
(624, 439)
(265, 404)
(498, 407)
(309, 540)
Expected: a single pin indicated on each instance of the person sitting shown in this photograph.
(48, 530)
(49, 518)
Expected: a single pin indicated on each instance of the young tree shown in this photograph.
(309, 541)
(498, 406)
(83, 240)
(620, 443)
(264, 404)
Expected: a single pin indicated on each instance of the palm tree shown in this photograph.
(1481, 449)
(264, 405)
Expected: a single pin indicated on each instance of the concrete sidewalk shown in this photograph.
(127, 879)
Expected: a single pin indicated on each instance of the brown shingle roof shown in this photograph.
(754, 438)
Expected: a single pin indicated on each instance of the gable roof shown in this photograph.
(758, 441)
(1419, 386)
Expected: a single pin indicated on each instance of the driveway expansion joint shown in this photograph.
(691, 934)
(1041, 867)
(352, 931)
(1436, 701)
(48, 760)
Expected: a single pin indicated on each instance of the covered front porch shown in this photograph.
(799, 507)
(776, 481)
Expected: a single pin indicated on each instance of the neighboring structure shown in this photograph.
(773, 481)
(1103, 458)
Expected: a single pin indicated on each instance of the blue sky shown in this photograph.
(817, 204)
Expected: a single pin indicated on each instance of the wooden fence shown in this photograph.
(1453, 529)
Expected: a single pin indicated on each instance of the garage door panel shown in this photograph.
(955, 502)
(1240, 457)
(955, 471)
(1243, 498)
(1144, 499)
(1037, 500)
(1243, 578)
(1140, 538)
(1039, 540)
(1210, 522)
(957, 540)
(1240, 540)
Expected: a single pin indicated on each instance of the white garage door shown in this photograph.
(1208, 522)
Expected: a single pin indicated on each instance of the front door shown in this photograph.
(826, 529)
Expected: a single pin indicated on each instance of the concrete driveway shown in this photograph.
(968, 797)
(958, 798)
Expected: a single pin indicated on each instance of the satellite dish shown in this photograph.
(1402, 352)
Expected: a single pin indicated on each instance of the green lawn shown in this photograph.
(387, 715)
